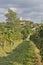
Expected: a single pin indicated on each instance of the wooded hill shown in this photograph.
(21, 42)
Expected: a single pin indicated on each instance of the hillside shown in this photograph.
(21, 42)
(24, 54)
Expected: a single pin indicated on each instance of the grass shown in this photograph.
(8, 48)
(22, 54)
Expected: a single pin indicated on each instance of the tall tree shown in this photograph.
(10, 16)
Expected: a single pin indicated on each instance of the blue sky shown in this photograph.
(27, 9)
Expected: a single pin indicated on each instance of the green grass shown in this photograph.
(23, 54)
(8, 48)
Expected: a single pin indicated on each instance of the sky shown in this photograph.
(27, 9)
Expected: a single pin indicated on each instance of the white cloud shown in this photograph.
(14, 9)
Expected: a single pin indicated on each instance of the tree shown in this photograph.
(10, 16)
(37, 38)
(26, 30)
(13, 24)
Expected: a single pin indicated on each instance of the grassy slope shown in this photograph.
(23, 54)
(8, 48)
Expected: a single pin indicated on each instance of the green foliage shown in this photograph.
(11, 16)
(12, 31)
(22, 55)
(26, 30)
(37, 38)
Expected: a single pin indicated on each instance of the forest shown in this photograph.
(20, 43)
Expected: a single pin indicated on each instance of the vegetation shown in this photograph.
(22, 55)
(37, 38)
(15, 48)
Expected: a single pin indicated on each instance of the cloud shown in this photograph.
(14, 9)
(2, 10)
(28, 9)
